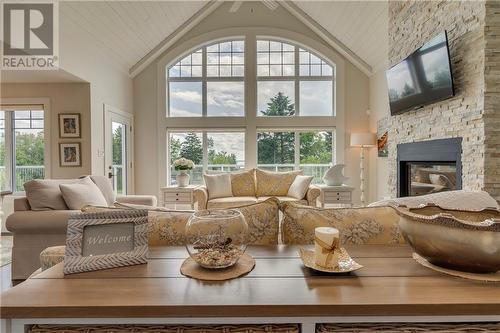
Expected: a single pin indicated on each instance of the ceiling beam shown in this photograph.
(174, 37)
(326, 36)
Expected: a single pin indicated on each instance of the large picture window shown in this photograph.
(308, 150)
(208, 82)
(272, 104)
(210, 150)
(22, 147)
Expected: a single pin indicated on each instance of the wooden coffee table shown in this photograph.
(391, 287)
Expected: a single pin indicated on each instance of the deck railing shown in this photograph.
(316, 170)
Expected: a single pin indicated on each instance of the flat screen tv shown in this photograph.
(424, 77)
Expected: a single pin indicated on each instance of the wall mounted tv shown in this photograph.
(424, 77)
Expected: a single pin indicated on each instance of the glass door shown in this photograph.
(118, 150)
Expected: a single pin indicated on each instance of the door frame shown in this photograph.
(109, 112)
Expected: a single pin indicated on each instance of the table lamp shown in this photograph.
(362, 140)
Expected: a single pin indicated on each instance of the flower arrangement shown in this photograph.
(183, 164)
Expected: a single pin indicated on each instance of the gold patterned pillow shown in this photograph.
(369, 225)
(274, 183)
(167, 228)
(243, 183)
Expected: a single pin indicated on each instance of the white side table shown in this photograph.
(173, 195)
(338, 195)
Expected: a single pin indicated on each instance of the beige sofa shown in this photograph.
(35, 230)
(254, 186)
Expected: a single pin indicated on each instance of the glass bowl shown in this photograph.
(216, 238)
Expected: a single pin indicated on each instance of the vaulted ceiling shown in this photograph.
(128, 30)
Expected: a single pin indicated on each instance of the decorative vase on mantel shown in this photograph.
(182, 178)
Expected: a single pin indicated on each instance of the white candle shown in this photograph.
(326, 244)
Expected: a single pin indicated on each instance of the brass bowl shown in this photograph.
(458, 239)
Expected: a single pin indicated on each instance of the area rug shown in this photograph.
(5, 250)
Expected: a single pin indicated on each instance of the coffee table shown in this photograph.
(391, 287)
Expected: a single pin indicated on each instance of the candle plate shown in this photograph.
(346, 263)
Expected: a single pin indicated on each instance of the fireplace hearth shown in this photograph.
(429, 167)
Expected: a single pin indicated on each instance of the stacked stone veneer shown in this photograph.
(473, 113)
(492, 98)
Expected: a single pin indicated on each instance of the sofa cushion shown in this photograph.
(299, 187)
(39, 222)
(274, 183)
(243, 183)
(104, 184)
(84, 192)
(218, 186)
(461, 199)
(283, 199)
(167, 228)
(376, 225)
(221, 203)
(44, 194)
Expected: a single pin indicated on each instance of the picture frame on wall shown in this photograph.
(69, 125)
(106, 239)
(383, 137)
(70, 154)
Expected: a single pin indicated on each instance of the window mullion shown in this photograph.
(9, 149)
(297, 151)
(205, 151)
(297, 82)
(204, 82)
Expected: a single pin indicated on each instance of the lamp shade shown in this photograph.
(363, 139)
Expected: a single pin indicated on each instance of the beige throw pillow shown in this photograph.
(84, 192)
(218, 186)
(299, 187)
(243, 183)
(44, 194)
(274, 183)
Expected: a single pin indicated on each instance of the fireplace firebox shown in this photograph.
(429, 166)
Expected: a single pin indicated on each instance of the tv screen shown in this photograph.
(422, 78)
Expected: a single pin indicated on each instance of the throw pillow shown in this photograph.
(461, 199)
(243, 183)
(84, 192)
(274, 183)
(377, 225)
(299, 187)
(44, 194)
(167, 227)
(104, 184)
(218, 186)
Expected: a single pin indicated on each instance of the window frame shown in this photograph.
(250, 122)
(297, 78)
(204, 78)
(21, 104)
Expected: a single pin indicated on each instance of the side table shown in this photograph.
(173, 195)
(339, 195)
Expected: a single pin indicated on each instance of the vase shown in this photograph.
(216, 238)
(182, 178)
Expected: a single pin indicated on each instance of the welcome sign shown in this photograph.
(107, 239)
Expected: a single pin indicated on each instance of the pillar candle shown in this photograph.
(326, 247)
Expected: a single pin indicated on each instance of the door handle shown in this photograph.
(110, 175)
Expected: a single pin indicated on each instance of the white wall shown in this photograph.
(81, 55)
(149, 114)
(378, 174)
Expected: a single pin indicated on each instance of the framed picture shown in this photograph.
(383, 137)
(70, 154)
(69, 125)
(106, 239)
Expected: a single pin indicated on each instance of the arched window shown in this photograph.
(242, 88)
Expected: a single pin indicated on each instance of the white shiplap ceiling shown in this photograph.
(128, 30)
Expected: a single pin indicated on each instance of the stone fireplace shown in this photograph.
(429, 167)
(472, 114)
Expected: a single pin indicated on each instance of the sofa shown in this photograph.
(255, 185)
(35, 229)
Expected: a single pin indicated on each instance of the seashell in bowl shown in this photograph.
(458, 239)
